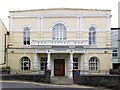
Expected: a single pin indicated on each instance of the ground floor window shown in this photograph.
(116, 66)
(25, 63)
(93, 64)
(43, 63)
(75, 63)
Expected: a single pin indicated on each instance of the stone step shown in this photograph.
(61, 81)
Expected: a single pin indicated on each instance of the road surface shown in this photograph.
(15, 85)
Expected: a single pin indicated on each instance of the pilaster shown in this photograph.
(48, 61)
(71, 65)
(81, 22)
(41, 23)
(10, 23)
(108, 22)
(35, 63)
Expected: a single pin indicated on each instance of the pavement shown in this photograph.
(61, 81)
(24, 84)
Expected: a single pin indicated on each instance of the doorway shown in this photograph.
(59, 67)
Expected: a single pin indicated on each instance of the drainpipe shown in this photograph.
(5, 49)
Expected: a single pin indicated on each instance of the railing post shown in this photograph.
(47, 76)
(76, 75)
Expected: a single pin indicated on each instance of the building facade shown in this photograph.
(61, 40)
(3, 31)
(116, 48)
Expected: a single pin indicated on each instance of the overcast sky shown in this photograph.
(10, 5)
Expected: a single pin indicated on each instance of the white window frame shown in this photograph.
(92, 35)
(93, 64)
(25, 63)
(26, 35)
(59, 31)
(75, 64)
(43, 63)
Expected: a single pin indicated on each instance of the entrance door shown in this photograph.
(59, 67)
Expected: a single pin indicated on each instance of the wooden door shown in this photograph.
(59, 67)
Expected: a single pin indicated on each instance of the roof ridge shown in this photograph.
(57, 9)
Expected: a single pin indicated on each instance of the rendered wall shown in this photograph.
(2, 41)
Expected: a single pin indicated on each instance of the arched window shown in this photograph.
(59, 32)
(92, 35)
(94, 63)
(25, 63)
(26, 36)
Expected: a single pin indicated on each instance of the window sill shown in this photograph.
(25, 45)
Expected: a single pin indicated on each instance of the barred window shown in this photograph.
(26, 36)
(75, 63)
(43, 63)
(25, 63)
(59, 32)
(93, 63)
(92, 35)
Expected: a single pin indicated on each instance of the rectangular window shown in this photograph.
(115, 54)
(75, 63)
(43, 63)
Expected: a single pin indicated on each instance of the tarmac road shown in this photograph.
(16, 85)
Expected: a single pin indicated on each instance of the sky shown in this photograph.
(11, 5)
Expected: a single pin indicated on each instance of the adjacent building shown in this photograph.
(116, 43)
(60, 39)
(3, 31)
(116, 48)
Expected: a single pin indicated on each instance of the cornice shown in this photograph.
(49, 9)
(60, 15)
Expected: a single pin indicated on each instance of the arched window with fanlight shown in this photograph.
(93, 64)
(59, 32)
(25, 63)
(26, 36)
(92, 35)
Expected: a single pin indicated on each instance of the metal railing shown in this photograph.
(13, 71)
(97, 72)
(82, 72)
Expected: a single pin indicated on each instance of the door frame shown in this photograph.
(63, 64)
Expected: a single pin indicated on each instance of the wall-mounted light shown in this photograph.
(9, 45)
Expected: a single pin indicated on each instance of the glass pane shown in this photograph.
(41, 68)
(28, 42)
(45, 64)
(92, 68)
(76, 64)
(76, 67)
(26, 68)
(42, 64)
